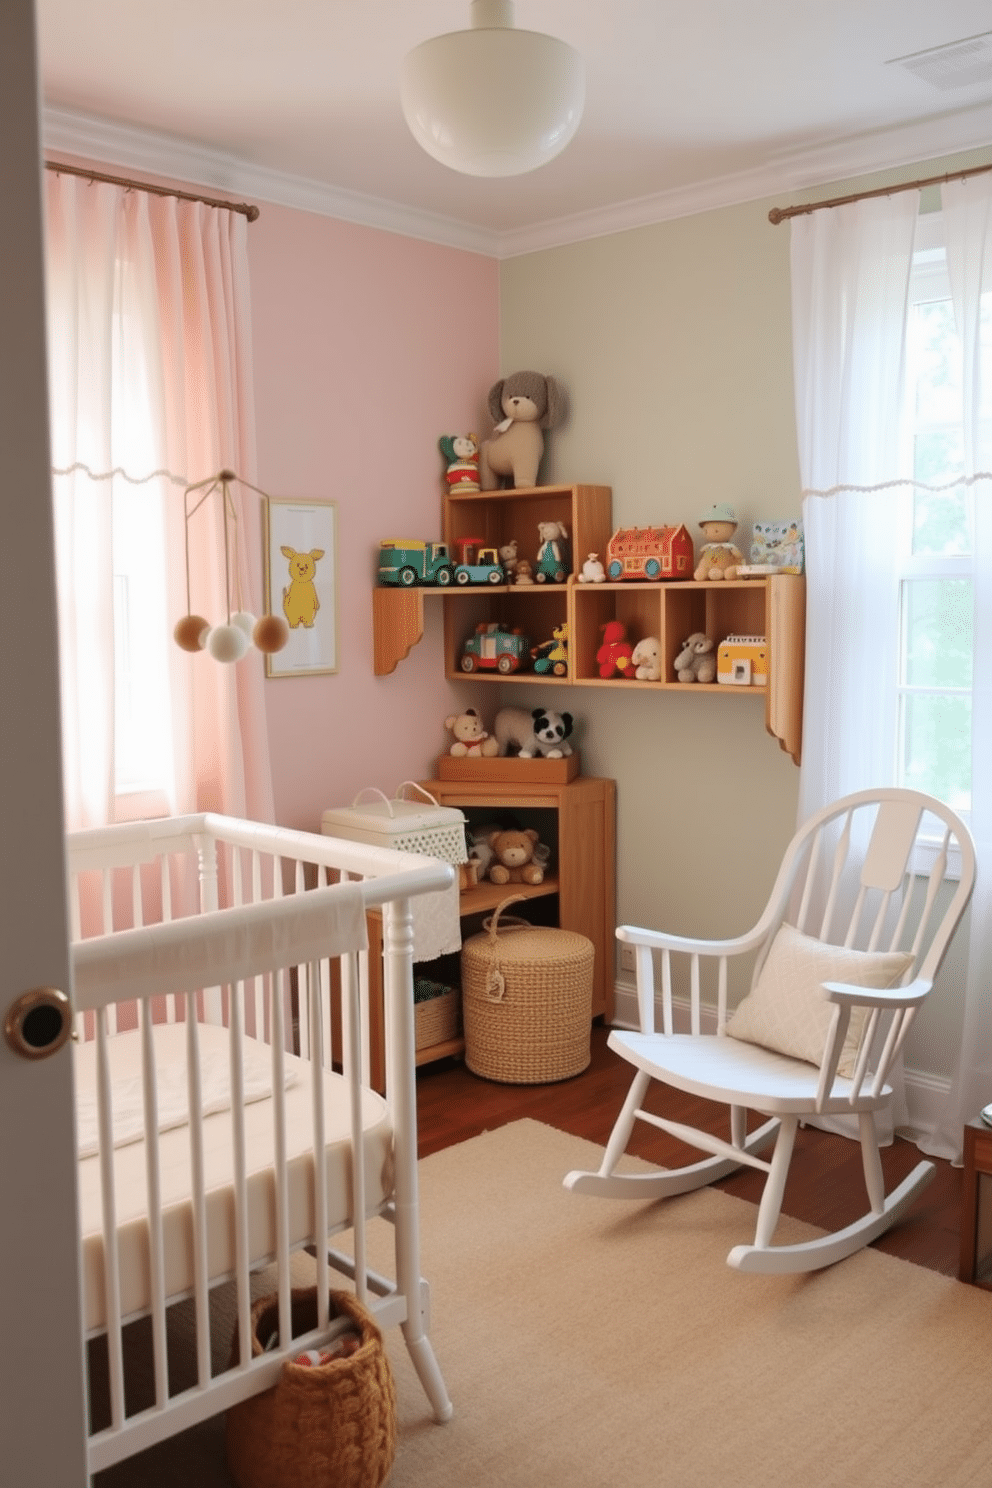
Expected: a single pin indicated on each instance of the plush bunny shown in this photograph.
(522, 405)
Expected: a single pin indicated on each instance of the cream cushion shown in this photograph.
(787, 1010)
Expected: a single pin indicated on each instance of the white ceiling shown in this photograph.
(688, 105)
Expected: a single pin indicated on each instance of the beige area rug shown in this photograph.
(592, 1342)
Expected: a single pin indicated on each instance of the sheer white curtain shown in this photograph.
(967, 213)
(851, 271)
(150, 379)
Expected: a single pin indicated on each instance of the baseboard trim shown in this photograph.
(925, 1092)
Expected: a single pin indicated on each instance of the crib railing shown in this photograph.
(253, 938)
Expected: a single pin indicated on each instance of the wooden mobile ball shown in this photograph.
(190, 632)
(270, 634)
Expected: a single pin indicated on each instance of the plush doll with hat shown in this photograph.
(718, 557)
(522, 405)
(461, 457)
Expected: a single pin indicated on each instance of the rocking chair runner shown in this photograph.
(832, 996)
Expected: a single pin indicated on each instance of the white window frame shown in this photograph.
(928, 282)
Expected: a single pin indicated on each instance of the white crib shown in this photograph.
(220, 991)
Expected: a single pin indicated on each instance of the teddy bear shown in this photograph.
(646, 659)
(508, 558)
(696, 661)
(593, 571)
(616, 652)
(537, 734)
(513, 854)
(718, 557)
(522, 405)
(523, 573)
(470, 737)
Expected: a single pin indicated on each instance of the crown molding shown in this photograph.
(133, 148)
(861, 155)
(156, 154)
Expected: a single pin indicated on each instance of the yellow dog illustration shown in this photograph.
(299, 598)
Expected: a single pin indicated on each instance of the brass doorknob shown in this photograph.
(38, 1023)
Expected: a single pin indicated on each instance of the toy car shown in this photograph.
(478, 567)
(493, 648)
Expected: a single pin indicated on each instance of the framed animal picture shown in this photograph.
(300, 561)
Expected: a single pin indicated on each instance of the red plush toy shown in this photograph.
(614, 655)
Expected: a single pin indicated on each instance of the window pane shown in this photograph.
(941, 521)
(934, 348)
(937, 632)
(936, 747)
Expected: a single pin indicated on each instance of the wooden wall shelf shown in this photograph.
(774, 607)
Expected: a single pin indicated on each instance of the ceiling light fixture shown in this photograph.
(493, 101)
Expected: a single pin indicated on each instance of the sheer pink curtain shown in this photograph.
(151, 391)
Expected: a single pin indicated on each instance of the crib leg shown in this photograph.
(424, 1362)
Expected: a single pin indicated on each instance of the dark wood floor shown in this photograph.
(826, 1184)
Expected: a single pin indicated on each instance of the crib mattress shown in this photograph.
(130, 1178)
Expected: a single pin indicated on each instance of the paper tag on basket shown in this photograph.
(495, 984)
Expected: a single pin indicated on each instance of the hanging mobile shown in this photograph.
(230, 641)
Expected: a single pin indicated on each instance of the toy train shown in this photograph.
(407, 561)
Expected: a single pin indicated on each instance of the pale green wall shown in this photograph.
(674, 342)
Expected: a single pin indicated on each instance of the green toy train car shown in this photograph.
(406, 561)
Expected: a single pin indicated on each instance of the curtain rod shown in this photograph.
(246, 209)
(779, 214)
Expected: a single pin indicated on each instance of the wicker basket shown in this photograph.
(526, 1001)
(327, 1426)
(437, 1018)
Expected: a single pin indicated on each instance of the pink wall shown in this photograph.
(367, 347)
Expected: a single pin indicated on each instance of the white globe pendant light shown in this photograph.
(493, 101)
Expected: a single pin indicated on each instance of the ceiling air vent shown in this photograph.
(959, 64)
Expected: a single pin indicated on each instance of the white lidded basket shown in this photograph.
(411, 826)
(408, 826)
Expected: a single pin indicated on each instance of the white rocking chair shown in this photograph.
(824, 1020)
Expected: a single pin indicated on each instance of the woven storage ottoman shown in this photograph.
(322, 1426)
(526, 1001)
